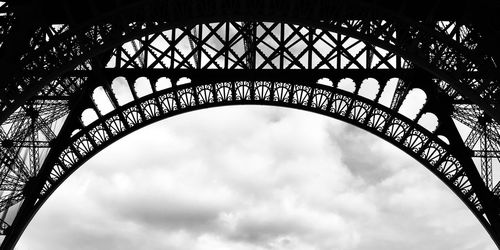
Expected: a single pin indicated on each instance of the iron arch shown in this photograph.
(423, 145)
(72, 60)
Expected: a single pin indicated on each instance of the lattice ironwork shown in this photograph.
(6, 20)
(60, 101)
(441, 46)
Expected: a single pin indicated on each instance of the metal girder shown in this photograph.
(442, 56)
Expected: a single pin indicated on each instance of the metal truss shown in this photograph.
(179, 56)
(439, 47)
(6, 20)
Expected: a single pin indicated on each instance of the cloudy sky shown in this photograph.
(253, 178)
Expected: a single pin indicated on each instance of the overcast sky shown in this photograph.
(253, 178)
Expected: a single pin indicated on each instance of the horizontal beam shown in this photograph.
(25, 144)
(57, 11)
(262, 74)
(486, 153)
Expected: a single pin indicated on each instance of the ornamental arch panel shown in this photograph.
(420, 143)
(194, 54)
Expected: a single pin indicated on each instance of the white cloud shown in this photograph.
(253, 178)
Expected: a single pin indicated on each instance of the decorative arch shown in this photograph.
(423, 145)
(72, 61)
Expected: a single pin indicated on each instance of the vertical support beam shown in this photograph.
(249, 32)
(486, 159)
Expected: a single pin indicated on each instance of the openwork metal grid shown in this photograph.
(425, 81)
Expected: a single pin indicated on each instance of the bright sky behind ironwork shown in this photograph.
(254, 178)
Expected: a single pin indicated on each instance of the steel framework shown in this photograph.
(77, 77)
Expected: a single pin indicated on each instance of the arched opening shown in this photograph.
(183, 80)
(413, 103)
(429, 121)
(388, 92)
(102, 101)
(253, 178)
(121, 90)
(88, 116)
(163, 83)
(369, 88)
(142, 87)
(347, 84)
(325, 81)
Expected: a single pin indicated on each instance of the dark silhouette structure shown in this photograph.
(77, 76)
